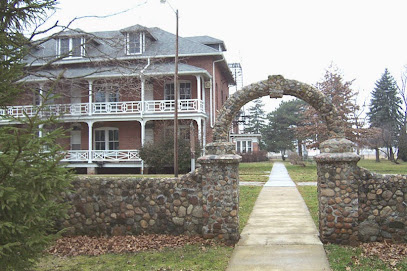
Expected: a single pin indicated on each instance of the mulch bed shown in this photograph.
(85, 245)
(387, 252)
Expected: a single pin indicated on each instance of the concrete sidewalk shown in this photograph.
(280, 233)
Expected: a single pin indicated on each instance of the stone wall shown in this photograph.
(205, 202)
(356, 205)
(382, 207)
(118, 206)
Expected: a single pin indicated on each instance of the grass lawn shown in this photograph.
(255, 172)
(189, 257)
(345, 257)
(384, 167)
(302, 174)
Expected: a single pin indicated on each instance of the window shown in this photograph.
(184, 91)
(107, 139)
(71, 47)
(135, 43)
(75, 139)
(169, 92)
(104, 95)
(243, 146)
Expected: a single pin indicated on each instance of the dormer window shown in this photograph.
(135, 43)
(71, 47)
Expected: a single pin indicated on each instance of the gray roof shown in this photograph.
(110, 46)
(209, 41)
(115, 71)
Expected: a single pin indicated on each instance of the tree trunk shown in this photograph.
(391, 154)
(283, 155)
(299, 144)
(402, 152)
(377, 155)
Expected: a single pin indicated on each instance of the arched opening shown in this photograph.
(275, 87)
(337, 164)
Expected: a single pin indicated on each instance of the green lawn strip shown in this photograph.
(259, 168)
(248, 196)
(255, 172)
(302, 174)
(253, 178)
(309, 194)
(189, 257)
(384, 166)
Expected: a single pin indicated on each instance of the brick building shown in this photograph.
(114, 90)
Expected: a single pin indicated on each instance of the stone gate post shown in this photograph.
(220, 189)
(338, 192)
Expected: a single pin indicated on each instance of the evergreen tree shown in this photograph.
(385, 111)
(257, 119)
(279, 134)
(31, 178)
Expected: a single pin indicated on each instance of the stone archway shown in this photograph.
(336, 165)
(275, 87)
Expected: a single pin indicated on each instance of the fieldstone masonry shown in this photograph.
(205, 202)
(354, 204)
(338, 192)
(220, 186)
(119, 206)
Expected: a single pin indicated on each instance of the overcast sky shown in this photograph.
(298, 39)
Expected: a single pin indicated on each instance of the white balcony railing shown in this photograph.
(116, 108)
(102, 156)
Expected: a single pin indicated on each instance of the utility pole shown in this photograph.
(175, 92)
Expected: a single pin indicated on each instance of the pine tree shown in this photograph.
(256, 115)
(385, 111)
(279, 134)
(31, 177)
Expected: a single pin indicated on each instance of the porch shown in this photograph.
(124, 108)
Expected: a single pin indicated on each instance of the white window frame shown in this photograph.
(244, 146)
(167, 96)
(108, 90)
(107, 137)
(69, 54)
(141, 42)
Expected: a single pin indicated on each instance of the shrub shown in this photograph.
(160, 154)
(259, 156)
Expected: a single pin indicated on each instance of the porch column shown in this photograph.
(203, 96)
(199, 89)
(143, 90)
(143, 132)
(41, 101)
(203, 136)
(90, 140)
(143, 140)
(199, 124)
(90, 97)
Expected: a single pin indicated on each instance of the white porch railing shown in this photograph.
(102, 156)
(168, 106)
(115, 108)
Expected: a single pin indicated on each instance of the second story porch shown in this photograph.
(131, 96)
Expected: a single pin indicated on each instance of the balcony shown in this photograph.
(111, 108)
(102, 156)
